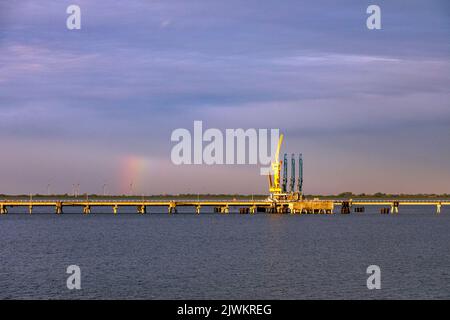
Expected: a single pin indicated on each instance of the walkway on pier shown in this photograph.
(222, 206)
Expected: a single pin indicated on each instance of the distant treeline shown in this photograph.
(343, 195)
(351, 195)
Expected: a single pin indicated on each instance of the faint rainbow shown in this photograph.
(133, 171)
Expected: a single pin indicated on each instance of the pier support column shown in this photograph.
(291, 209)
(86, 210)
(197, 209)
(142, 209)
(346, 207)
(30, 209)
(3, 209)
(115, 209)
(394, 207)
(253, 209)
(172, 208)
(225, 209)
(59, 208)
(272, 209)
(438, 208)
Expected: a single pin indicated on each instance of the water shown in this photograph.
(213, 256)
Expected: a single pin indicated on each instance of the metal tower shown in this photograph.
(285, 173)
(292, 172)
(300, 174)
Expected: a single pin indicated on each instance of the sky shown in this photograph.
(369, 109)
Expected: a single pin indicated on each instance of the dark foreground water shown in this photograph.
(212, 256)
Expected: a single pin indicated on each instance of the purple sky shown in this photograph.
(369, 110)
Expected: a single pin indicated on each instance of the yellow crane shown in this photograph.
(274, 183)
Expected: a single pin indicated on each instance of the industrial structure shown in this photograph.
(281, 198)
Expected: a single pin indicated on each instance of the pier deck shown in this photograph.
(222, 206)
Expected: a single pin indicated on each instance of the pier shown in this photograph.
(314, 206)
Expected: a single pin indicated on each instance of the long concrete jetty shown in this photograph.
(223, 206)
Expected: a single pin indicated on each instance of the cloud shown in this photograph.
(138, 70)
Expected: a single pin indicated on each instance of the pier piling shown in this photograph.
(3, 209)
(58, 207)
(142, 209)
(394, 207)
(86, 209)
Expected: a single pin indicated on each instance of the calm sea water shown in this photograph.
(212, 256)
